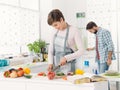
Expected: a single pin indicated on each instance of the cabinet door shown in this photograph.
(8, 85)
(40, 86)
(64, 86)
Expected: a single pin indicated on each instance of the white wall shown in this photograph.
(46, 30)
(19, 23)
(31, 4)
(70, 8)
(10, 2)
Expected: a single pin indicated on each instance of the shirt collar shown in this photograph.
(98, 30)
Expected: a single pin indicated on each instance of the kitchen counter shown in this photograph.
(20, 60)
(40, 82)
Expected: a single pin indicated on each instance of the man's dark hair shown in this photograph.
(90, 25)
(54, 16)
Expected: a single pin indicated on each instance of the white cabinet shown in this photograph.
(64, 86)
(39, 86)
(9, 85)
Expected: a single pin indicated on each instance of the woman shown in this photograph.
(65, 45)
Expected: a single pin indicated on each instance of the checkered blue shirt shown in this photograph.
(105, 44)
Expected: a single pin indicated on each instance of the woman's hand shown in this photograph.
(50, 67)
(63, 61)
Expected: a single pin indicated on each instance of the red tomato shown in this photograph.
(41, 74)
(51, 75)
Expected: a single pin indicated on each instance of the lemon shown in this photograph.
(79, 71)
(26, 70)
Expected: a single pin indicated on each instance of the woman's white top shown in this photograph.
(74, 42)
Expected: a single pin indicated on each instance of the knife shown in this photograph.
(56, 68)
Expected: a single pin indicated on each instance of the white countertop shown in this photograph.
(113, 78)
(42, 82)
(43, 79)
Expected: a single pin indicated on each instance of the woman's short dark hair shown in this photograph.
(90, 25)
(54, 16)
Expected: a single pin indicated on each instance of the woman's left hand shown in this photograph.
(63, 61)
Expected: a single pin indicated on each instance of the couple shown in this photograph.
(66, 44)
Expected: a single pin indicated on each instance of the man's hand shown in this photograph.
(50, 67)
(63, 61)
(109, 61)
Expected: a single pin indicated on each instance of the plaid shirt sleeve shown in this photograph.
(108, 40)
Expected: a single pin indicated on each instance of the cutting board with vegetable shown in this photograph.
(59, 75)
(113, 74)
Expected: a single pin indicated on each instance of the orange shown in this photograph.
(26, 70)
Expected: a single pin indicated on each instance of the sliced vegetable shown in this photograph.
(64, 77)
(60, 74)
(41, 74)
(28, 76)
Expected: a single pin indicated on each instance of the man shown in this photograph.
(62, 50)
(104, 46)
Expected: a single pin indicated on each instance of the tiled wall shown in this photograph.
(18, 27)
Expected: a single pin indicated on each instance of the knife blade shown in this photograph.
(56, 68)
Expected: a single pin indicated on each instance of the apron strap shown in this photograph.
(54, 42)
(65, 43)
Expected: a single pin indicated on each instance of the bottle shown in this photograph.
(87, 67)
(44, 54)
(95, 69)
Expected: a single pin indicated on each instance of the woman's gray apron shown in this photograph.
(60, 50)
